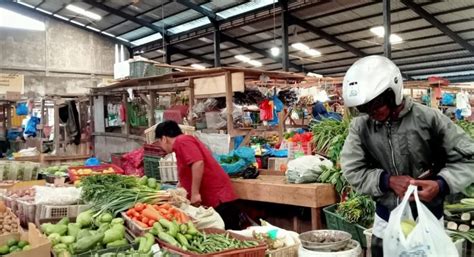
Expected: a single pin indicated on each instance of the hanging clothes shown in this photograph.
(69, 115)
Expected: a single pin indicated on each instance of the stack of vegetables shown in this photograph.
(189, 239)
(89, 233)
(57, 171)
(116, 193)
(145, 215)
(13, 246)
(459, 217)
(9, 223)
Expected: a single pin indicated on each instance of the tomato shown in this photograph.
(145, 220)
(151, 222)
(139, 207)
(135, 219)
(137, 215)
(130, 213)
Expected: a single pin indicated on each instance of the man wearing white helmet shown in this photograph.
(398, 142)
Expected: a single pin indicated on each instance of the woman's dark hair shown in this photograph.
(167, 128)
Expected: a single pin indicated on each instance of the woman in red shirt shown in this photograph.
(200, 174)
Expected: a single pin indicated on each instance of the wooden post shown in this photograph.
(42, 121)
(151, 113)
(57, 133)
(9, 116)
(191, 121)
(125, 125)
(229, 103)
(281, 125)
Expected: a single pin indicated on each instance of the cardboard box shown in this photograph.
(40, 245)
(13, 96)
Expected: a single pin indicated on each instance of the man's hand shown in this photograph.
(399, 184)
(196, 200)
(429, 189)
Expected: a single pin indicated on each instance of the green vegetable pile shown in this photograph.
(229, 159)
(116, 193)
(13, 246)
(357, 209)
(58, 171)
(467, 126)
(329, 136)
(188, 238)
(333, 176)
(87, 234)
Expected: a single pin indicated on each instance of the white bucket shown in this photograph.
(356, 251)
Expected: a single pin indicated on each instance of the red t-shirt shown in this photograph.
(216, 187)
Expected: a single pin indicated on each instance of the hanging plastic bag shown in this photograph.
(266, 110)
(427, 238)
(21, 109)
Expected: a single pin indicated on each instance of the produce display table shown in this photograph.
(275, 189)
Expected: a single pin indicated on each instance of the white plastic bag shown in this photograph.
(57, 195)
(203, 217)
(306, 169)
(427, 239)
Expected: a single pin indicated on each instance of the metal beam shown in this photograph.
(297, 21)
(439, 25)
(285, 58)
(168, 49)
(190, 55)
(211, 15)
(259, 51)
(217, 47)
(126, 16)
(387, 26)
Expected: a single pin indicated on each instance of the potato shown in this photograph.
(7, 227)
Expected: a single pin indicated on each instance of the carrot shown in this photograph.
(166, 206)
(151, 214)
(151, 222)
(184, 217)
(141, 224)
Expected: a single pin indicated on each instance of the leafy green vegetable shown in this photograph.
(329, 136)
(357, 209)
(333, 176)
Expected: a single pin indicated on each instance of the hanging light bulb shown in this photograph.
(275, 51)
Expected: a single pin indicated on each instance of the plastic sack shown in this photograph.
(278, 107)
(306, 169)
(447, 99)
(203, 217)
(30, 129)
(57, 195)
(427, 238)
(266, 110)
(246, 157)
(21, 109)
(132, 162)
(92, 162)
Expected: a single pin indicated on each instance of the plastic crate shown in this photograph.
(116, 159)
(335, 221)
(288, 251)
(257, 251)
(168, 169)
(10, 203)
(133, 227)
(151, 166)
(49, 212)
(294, 147)
(277, 164)
(153, 150)
(26, 212)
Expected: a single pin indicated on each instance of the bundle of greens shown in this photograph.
(467, 126)
(117, 193)
(333, 176)
(329, 136)
(357, 209)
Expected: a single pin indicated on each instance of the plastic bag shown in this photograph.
(204, 217)
(306, 169)
(57, 195)
(266, 110)
(132, 162)
(21, 109)
(427, 238)
(30, 129)
(278, 107)
(246, 157)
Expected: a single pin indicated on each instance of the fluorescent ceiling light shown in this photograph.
(92, 28)
(300, 46)
(61, 17)
(379, 31)
(25, 4)
(108, 34)
(147, 39)
(44, 11)
(123, 39)
(78, 23)
(275, 51)
(242, 58)
(255, 63)
(313, 52)
(15, 20)
(395, 39)
(198, 66)
(83, 12)
(311, 74)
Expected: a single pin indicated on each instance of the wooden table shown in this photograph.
(275, 189)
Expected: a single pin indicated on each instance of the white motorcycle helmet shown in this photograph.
(369, 77)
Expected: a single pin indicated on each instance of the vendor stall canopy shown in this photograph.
(324, 37)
